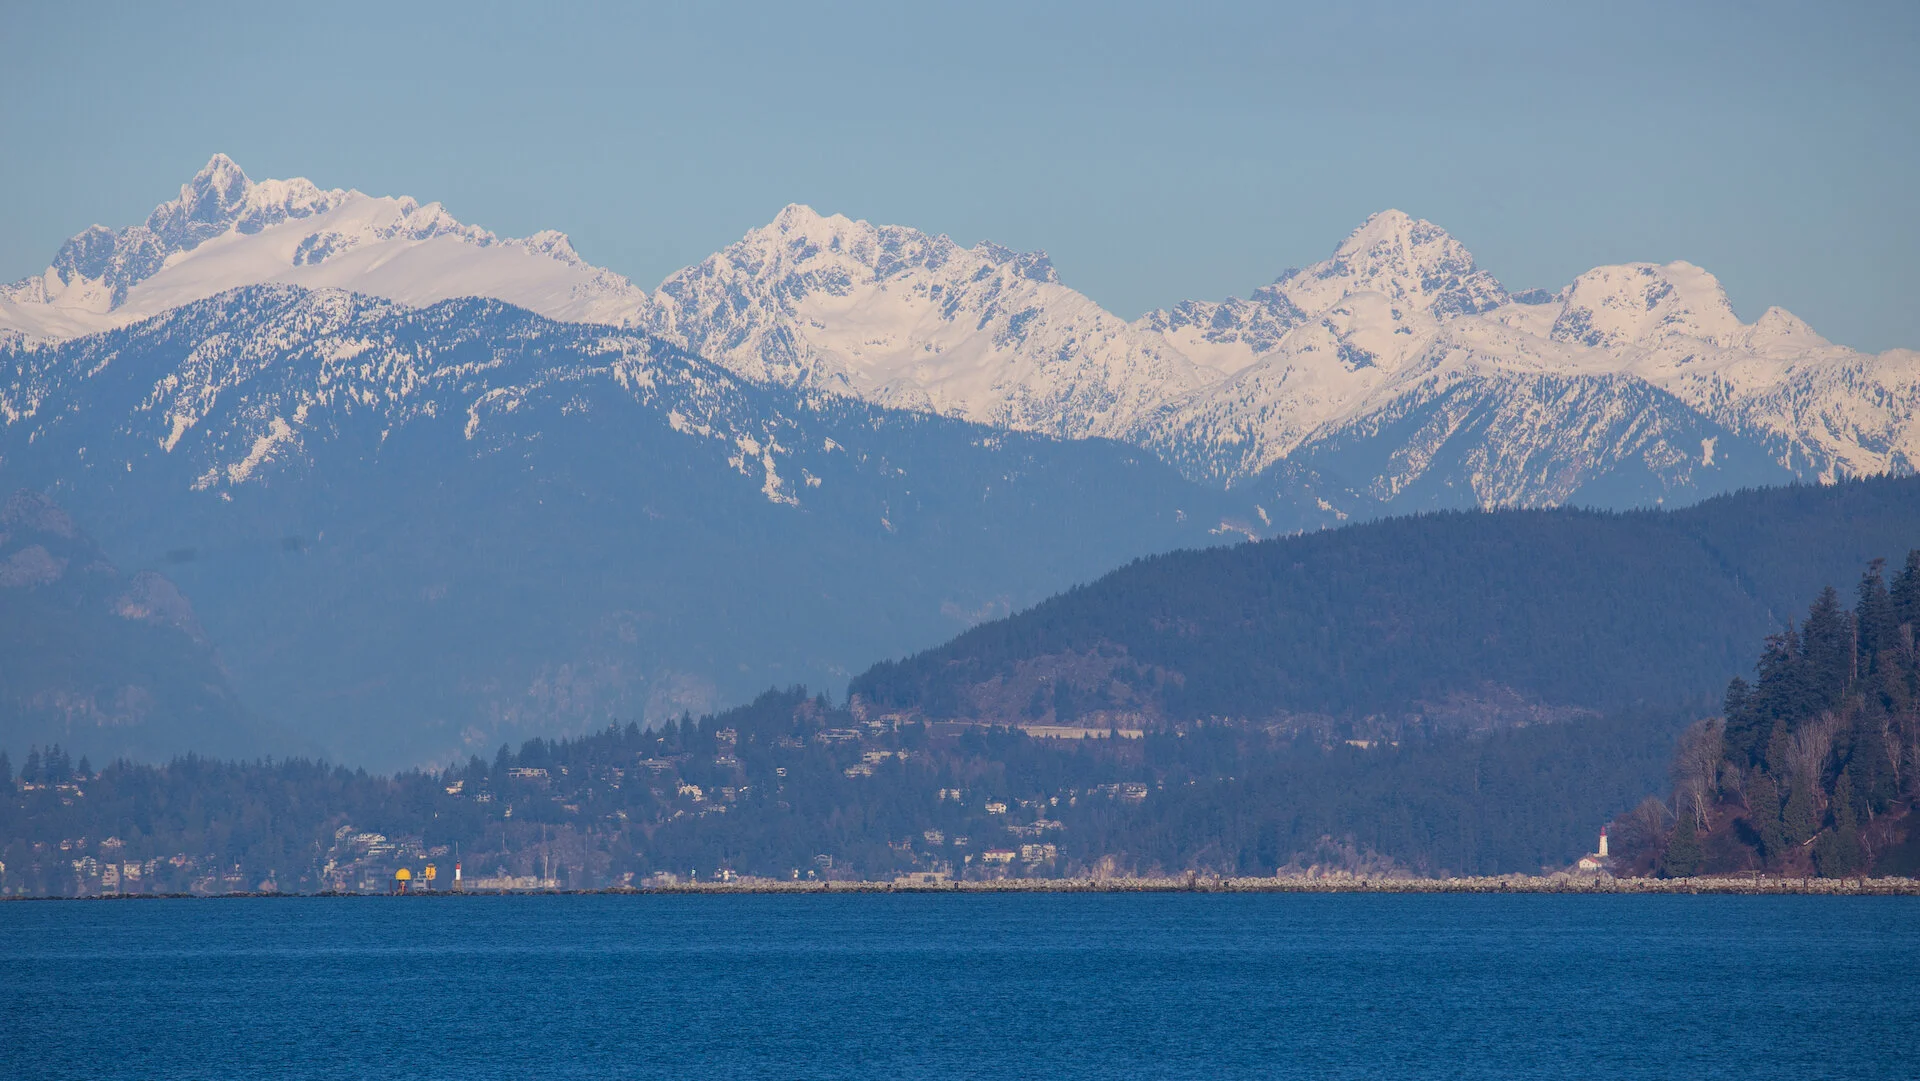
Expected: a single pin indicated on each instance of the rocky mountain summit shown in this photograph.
(911, 320)
(225, 230)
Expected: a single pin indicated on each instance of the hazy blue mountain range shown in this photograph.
(416, 531)
(430, 487)
(93, 657)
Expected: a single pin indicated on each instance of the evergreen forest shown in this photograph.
(1454, 619)
(1812, 766)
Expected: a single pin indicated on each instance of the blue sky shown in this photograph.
(1159, 152)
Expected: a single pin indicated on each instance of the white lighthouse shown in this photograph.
(1595, 861)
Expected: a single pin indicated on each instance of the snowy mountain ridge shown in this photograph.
(910, 320)
(1397, 319)
(225, 231)
(267, 374)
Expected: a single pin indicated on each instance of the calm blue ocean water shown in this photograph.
(1069, 986)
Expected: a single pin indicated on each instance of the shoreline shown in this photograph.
(1743, 885)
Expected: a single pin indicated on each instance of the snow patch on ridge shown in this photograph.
(265, 448)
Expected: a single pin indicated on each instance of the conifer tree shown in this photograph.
(1905, 594)
(1683, 855)
(1743, 725)
(1871, 769)
(1782, 694)
(1844, 816)
(1800, 816)
(1838, 853)
(1873, 615)
(1763, 814)
(6, 770)
(1776, 758)
(1066, 705)
(1827, 643)
(1736, 698)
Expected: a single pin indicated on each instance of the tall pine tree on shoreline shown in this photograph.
(1814, 743)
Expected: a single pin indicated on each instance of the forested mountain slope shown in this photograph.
(1448, 620)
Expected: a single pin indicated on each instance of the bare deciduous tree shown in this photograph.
(1696, 768)
(1639, 835)
(1807, 751)
(1912, 757)
(1733, 783)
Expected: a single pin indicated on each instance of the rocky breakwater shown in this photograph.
(1329, 883)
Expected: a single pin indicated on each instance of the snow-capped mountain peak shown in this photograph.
(557, 245)
(225, 230)
(207, 205)
(914, 320)
(221, 197)
(1412, 262)
(1777, 329)
(1373, 304)
(1636, 303)
(95, 270)
(1400, 316)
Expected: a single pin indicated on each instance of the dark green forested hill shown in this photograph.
(1458, 619)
